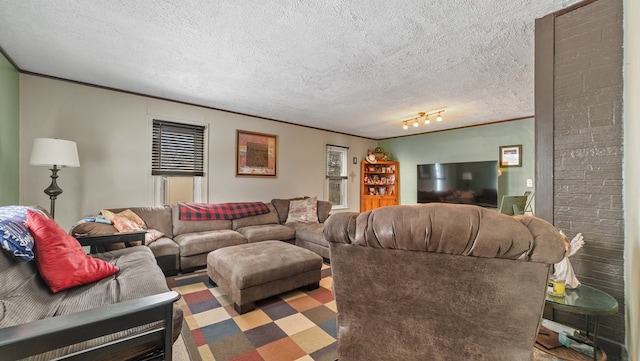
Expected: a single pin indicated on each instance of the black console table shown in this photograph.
(98, 239)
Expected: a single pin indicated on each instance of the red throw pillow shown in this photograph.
(61, 260)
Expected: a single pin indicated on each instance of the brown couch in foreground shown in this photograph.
(439, 282)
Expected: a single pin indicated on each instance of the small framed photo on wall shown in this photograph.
(511, 156)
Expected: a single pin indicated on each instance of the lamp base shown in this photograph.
(53, 190)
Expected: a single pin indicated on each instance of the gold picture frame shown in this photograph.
(256, 154)
(510, 156)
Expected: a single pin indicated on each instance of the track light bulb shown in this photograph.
(439, 118)
(404, 125)
(415, 122)
(426, 120)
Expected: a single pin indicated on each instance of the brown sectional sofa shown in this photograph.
(186, 244)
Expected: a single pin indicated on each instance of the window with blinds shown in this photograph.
(177, 149)
(336, 175)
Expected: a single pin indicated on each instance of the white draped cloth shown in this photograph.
(563, 269)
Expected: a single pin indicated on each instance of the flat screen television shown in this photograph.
(466, 183)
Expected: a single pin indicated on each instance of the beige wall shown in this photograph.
(631, 175)
(113, 133)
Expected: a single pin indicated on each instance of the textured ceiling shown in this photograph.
(353, 66)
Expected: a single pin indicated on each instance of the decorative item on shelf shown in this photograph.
(422, 115)
(380, 154)
(371, 158)
(55, 153)
(376, 155)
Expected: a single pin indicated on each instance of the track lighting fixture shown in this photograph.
(427, 121)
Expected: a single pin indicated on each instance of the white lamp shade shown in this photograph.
(49, 151)
(467, 176)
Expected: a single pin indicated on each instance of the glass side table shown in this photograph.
(588, 301)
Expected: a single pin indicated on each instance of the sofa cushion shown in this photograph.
(324, 210)
(282, 207)
(310, 232)
(14, 234)
(164, 246)
(125, 221)
(304, 210)
(92, 228)
(158, 218)
(265, 232)
(204, 242)
(95, 228)
(267, 218)
(61, 260)
(139, 276)
(24, 296)
(152, 235)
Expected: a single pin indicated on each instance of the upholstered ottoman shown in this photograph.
(254, 271)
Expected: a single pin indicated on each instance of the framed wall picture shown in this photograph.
(256, 154)
(510, 156)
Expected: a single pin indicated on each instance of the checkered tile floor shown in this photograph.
(295, 326)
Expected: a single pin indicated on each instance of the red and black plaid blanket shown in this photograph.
(208, 211)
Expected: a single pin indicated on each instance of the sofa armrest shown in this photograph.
(36, 337)
(341, 227)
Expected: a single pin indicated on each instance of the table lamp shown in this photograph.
(55, 153)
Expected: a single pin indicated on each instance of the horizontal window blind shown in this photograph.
(178, 149)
